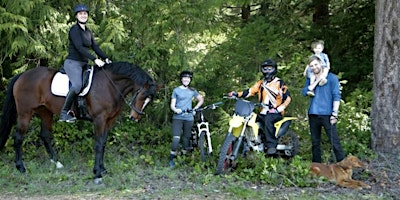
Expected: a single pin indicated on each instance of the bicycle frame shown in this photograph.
(203, 126)
(201, 135)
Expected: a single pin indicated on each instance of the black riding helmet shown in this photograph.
(81, 7)
(186, 73)
(268, 74)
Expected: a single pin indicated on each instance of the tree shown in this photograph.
(385, 123)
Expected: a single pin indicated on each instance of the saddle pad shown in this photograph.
(60, 84)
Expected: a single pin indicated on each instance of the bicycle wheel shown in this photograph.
(203, 145)
(225, 163)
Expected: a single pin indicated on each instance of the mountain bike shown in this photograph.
(245, 133)
(201, 136)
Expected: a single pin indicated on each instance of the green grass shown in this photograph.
(130, 177)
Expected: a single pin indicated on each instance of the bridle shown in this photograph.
(130, 104)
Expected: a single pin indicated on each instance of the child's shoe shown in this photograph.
(322, 82)
(310, 93)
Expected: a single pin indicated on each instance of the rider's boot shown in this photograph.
(171, 160)
(69, 100)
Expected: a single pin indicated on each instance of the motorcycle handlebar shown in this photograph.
(226, 96)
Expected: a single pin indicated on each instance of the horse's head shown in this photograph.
(141, 98)
(133, 78)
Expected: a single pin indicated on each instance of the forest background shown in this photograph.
(222, 42)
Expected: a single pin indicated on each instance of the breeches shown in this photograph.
(73, 69)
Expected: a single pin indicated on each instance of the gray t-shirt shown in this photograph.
(184, 97)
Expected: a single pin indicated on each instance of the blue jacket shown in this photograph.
(322, 102)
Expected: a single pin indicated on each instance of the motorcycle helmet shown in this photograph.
(269, 73)
(81, 7)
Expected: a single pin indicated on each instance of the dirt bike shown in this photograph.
(201, 135)
(245, 133)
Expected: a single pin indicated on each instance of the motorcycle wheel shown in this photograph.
(225, 162)
(203, 145)
(290, 139)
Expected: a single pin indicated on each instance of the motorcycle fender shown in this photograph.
(237, 130)
(236, 121)
(237, 124)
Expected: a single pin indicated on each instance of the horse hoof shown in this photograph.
(58, 164)
(21, 169)
(98, 181)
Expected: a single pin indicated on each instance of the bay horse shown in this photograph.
(29, 93)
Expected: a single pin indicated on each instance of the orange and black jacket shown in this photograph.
(273, 94)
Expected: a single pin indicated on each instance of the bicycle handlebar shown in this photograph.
(211, 106)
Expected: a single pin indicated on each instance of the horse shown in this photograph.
(29, 93)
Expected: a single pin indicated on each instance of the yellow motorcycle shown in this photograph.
(245, 134)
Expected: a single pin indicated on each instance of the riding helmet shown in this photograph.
(81, 7)
(186, 73)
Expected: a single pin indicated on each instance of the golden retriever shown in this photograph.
(341, 172)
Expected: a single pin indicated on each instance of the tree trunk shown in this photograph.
(385, 115)
(320, 26)
(321, 13)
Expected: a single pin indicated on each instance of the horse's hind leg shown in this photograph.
(22, 127)
(45, 135)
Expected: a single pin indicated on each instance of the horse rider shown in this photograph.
(81, 39)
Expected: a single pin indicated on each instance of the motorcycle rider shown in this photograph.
(274, 95)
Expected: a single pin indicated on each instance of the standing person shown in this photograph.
(181, 101)
(323, 111)
(317, 47)
(81, 39)
(275, 97)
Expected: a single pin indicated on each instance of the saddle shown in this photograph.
(60, 86)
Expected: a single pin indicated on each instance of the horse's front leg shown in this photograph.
(99, 147)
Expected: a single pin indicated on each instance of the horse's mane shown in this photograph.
(134, 72)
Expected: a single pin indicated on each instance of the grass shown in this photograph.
(130, 177)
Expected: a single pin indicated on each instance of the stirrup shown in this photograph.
(67, 117)
(71, 117)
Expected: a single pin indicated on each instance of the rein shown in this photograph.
(130, 104)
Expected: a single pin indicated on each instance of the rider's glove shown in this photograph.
(230, 94)
(178, 111)
(99, 62)
(108, 61)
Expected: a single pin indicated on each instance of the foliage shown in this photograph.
(224, 50)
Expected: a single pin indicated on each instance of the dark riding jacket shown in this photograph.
(80, 41)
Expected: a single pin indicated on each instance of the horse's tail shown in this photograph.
(9, 117)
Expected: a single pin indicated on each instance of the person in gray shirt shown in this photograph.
(181, 101)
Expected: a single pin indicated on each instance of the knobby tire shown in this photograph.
(224, 163)
(203, 144)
